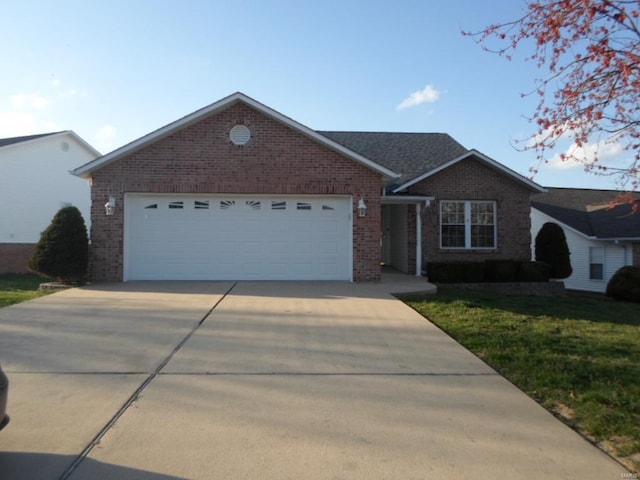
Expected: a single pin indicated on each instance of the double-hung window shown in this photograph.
(596, 263)
(467, 224)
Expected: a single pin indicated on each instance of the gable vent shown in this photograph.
(240, 134)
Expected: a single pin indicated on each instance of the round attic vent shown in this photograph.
(240, 134)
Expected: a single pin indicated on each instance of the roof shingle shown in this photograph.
(410, 154)
(591, 212)
(10, 141)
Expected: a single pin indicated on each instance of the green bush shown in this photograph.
(625, 284)
(501, 270)
(551, 247)
(455, 272)
(63, 250)
(533, 272)
(491, 271)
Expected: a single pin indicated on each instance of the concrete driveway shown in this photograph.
(223, 380)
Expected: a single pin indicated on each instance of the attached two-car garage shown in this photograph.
(237, 237)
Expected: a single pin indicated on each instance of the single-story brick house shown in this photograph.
(237, 190)
(603, 234)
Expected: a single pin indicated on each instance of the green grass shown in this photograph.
(16, 288)
(578, 356)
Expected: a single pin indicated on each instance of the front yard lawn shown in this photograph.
(578, 356)
(16, 288)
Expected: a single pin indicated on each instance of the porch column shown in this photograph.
(418, 240)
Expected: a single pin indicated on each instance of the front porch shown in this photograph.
(401, 237)
(399, 283)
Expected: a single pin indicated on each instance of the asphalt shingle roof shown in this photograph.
(10, 141)
(410, 154)
(590, 211)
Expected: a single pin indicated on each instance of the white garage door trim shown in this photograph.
(237, 237)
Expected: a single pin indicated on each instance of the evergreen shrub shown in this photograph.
(63, 250)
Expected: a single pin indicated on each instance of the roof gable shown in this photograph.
(217, 107)
(16, 142)
(474, 154)
(27, 138)
(590, 212)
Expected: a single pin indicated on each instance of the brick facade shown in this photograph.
(199, 158)
(471, 179)
(14, 257)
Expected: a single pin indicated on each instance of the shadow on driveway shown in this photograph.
(48, 466)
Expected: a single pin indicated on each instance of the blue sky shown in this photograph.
(115, 71)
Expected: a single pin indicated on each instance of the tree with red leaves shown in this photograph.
(591, 94)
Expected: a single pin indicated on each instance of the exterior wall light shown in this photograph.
(362, 208)
(110, 206)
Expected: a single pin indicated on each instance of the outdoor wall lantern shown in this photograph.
(110, 206)
(362, 208)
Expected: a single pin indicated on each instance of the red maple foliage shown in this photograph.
(591, 94)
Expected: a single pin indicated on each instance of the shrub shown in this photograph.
(533, 272)
(551, 247)
(455, 272)
(63, 250)
(625, 284)
(501, 270)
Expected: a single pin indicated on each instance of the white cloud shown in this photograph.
(428, 94)
(28, 100)
(72, 92)
(16, 124)
(67, 92)
(605, 152)
(105, 138)
(107, 132)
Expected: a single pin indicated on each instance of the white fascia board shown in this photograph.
(83, 143)
(481, 156)
(317, 137)
(156, 135)
(621, 239)
(29, 142)
(73, 136)
(87, 168)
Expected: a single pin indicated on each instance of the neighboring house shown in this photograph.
(34, 184)
(602, 235)
(237, 190)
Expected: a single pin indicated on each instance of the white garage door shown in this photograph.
(237, 237)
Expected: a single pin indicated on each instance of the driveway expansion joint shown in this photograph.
(137, 393)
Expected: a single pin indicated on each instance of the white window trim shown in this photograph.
(602, 250)
(467, 225)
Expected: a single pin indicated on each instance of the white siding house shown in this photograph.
(34, 184)
(600, 237)
(586, 256)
